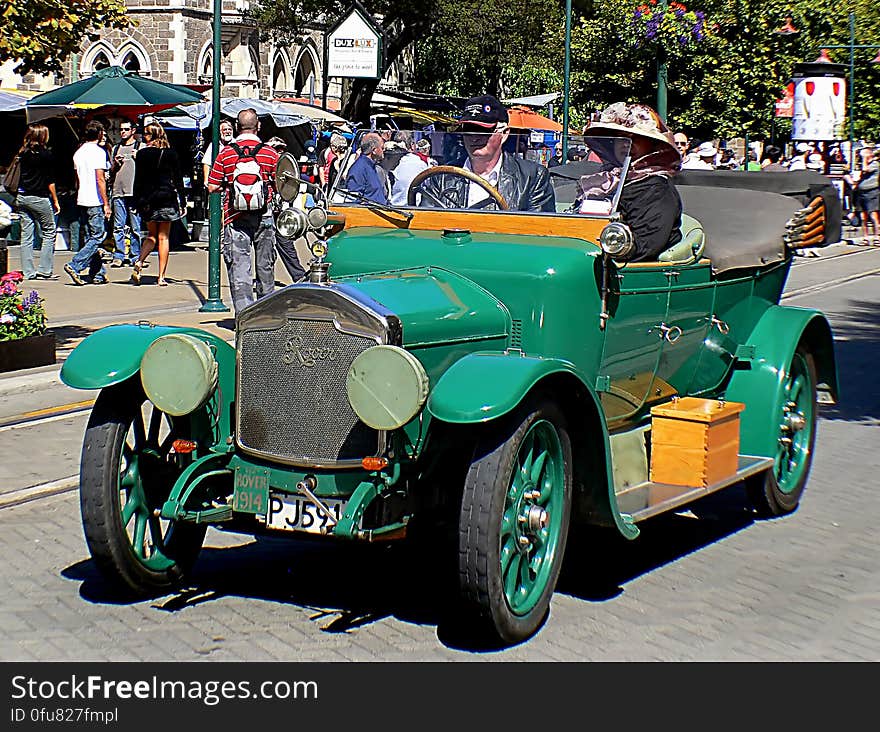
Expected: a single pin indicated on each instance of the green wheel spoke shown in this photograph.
(156, 538)
(129, 509)
(508, 521)
(538, 468)
(140, 526)
(508, 552)
(527, 457)
(797, 387)
(511, 577)
(524, 585)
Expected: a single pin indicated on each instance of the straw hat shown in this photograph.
(632, 119)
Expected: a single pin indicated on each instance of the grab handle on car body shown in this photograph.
(723, 327)
(670, 333)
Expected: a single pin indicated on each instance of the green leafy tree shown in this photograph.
(41, 34)
(495, 47)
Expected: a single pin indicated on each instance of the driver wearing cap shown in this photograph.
(523, 184)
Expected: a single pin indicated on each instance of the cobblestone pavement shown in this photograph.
(719, 587)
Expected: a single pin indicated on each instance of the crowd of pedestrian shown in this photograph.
(858, 186)
(132, 191)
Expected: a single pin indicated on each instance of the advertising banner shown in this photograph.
(354, 48)
(785, 105)
(819, 102)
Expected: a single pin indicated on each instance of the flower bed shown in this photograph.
(24, 342)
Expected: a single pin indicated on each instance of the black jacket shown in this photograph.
(652, 209)
(523, 184)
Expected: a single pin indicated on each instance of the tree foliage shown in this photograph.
(41, 34)
(724, 85)
(402, 22)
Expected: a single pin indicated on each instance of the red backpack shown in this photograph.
(249, 189)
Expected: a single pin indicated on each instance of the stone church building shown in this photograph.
(172, 41)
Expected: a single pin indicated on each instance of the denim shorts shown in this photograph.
(163, 214)
(868, 200)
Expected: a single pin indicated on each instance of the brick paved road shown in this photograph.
(722, 587)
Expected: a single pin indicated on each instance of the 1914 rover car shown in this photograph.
(508, 370)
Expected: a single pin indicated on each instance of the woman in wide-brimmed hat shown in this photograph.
(649, 204)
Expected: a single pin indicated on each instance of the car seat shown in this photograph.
(690, 248)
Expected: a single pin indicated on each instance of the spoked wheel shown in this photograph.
(778, 490)
(127, 471)
(514, 523)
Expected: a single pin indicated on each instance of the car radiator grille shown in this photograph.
(292, 404)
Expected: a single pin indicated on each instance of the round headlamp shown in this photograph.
(292, 223)
(317, 217)
(386, 386)
(617, 240)
(179, 373)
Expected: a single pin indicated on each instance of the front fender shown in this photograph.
(774, 340)
(113, 354)
(483, 386)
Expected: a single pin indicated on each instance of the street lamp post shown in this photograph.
(566, 82)
(215, 217)
(662, 96)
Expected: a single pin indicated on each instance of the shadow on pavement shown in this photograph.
(599, 562)
(857, 350)
(348, 586)
(67, 336)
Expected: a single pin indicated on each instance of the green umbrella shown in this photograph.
(117, 87)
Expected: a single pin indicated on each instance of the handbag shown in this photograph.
(12, 177)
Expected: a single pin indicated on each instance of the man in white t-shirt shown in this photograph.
(91, 164)
(408, 166)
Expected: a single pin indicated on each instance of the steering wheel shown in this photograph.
(416, 186)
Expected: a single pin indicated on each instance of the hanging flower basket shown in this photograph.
(672, 28)
(24, 342)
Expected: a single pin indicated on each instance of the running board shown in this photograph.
(649, 499)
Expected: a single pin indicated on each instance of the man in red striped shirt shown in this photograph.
(254, 228)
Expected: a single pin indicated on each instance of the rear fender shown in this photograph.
(774, 341)
(485, 386)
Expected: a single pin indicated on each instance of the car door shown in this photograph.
(636, 307)
(688, 319)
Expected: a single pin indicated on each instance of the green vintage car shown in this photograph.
(496, 370)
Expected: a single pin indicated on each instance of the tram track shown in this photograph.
(829, 284)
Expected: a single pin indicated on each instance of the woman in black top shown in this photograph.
(37, 202)
(649, 203)
(158, 196)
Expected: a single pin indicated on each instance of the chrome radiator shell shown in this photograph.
(294, 349)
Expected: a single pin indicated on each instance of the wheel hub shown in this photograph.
(531, 518)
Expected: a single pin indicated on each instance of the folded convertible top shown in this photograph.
(744, 213)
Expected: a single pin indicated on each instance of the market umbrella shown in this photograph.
(12, 101)
(117, 87)
(523, 118)
(193, 115)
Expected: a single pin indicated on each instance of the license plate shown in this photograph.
(294, 513)
(251, 490)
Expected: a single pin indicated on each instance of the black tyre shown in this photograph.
(513, 525)
(778, 491)
(127, 471)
